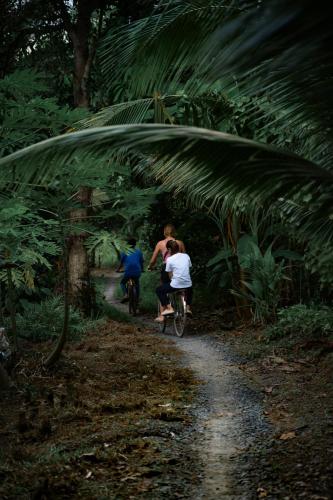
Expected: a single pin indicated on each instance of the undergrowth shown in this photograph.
(302, 321)
(43, 321)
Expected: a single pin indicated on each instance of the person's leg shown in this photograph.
(189, 297)
(123, 287)
(137, 286)
(162, 293)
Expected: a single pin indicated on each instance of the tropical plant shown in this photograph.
(26, 243)
(303, 321)
(250, 274)
(214, 169)
(261, 278)
(26, 115)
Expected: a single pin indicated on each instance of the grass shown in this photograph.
(113, 313)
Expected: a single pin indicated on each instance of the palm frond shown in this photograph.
(282, 49)
(279, 52)
(125, 112)
(209, 166)
(163, 48)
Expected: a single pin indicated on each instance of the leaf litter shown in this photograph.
(107, 422)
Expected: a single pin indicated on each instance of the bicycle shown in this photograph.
(131, 294)
(178, 317)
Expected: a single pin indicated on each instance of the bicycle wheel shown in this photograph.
(132, 297)
(161, 326)
(179, 318)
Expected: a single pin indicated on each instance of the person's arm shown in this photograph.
(121, 263)
(181, 246)
(168, 269)
(154, 256)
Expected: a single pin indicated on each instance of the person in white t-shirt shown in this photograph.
(178, 266)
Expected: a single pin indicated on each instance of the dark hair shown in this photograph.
(131, 242)
(173, 246)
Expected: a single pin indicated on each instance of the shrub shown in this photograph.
(43, 321)
(302, 320)
(149, 281)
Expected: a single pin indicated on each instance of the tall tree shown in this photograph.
(78, 24)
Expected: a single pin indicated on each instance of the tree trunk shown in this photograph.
(83, 52)
(79, 285)
(79, 33)
(55, 354)
(82, 63)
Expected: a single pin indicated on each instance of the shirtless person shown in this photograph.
(161, 248)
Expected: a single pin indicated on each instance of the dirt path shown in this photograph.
(229, 418)
(228, 414)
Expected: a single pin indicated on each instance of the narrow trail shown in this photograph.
(228, 414)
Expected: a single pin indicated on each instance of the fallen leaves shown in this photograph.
(261, 492)
(287, 435)
(99, 404)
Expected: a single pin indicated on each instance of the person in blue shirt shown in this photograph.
(132, 264)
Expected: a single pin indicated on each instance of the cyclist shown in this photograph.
(178, 267)
(132, 262)
(161, 249)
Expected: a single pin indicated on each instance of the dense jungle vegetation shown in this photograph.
(118, 117)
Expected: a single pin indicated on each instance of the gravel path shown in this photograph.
(228, 415)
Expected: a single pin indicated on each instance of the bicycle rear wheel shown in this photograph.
(179, 319)
(132, 298)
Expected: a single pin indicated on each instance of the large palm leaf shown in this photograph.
(209, 166)
(160, 52)
(279, 52)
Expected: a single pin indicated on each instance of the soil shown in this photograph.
(129, 413)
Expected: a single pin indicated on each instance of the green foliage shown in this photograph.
(105, 246)
(26, 116)
(40, 322)
(221, 268)
(25, 241)
(251, 274)
(302, 320)
(111, 312)
(319, 260)
(263, 276)
(148, 283)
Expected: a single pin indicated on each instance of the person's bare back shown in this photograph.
(161, 249)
